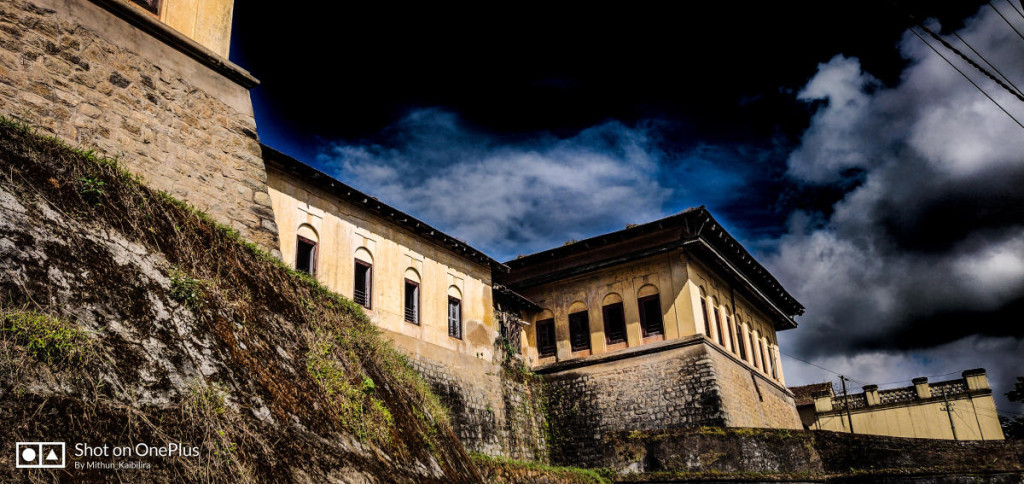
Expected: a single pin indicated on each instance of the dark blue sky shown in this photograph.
(867, 174)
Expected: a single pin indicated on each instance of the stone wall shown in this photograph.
(750, 398)
(774, 455)
(682, 383)
(73, 70)
(497, 410)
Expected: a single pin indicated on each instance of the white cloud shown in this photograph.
(509, 197)
(933, 230)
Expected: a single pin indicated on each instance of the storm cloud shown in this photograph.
(920, 266)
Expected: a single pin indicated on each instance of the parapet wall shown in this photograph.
(74, 70)
(681, 383)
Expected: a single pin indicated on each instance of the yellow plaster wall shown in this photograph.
(704, 283)
(343, 228)
(679, 279)
(208, 22)
(974, 417)
(626, 280)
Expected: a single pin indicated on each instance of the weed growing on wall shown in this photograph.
(47, 338)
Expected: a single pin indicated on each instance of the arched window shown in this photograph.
(306, 249)
(718, 321)
(546, 334)
(764, 355)
(412, 296)
(614, 319)
(454, 312)
(649, 303)
(731, 324)
(579, 326)
(739, 340)
(755, 348)
(704, 312)
(362, 292)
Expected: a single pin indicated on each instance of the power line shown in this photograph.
(911, 379)
(994, 68)
(956, 51)
(821, 367)
(976, 86)
(993, 7)
(1015, 9)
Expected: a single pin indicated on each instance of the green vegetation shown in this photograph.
(502, 469)
(352, 396)
(92, 190)
(1013, 428)
(46, 337)
(185, 289)
(255, 307)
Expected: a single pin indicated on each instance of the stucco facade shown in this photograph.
(960, 409)
(697, 289)
(347, 235)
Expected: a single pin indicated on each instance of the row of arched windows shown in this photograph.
(306, 260)
(614, 320)
(741, 339)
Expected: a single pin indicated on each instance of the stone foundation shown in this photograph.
(682, 383)
(495, 410)
(75, 71)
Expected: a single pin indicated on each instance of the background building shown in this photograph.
(961, 409)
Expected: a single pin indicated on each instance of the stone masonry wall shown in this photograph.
(501, 416)
(750, 399)
(684, 383)
(73, 70)
(650, 392)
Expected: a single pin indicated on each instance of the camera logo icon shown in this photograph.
(40, 455)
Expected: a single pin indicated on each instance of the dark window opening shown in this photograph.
(707, 322)
(364, 284)
(614, 323)
(739, 340)
(546, 338)
(579, 331)
(152, 6)
(718, 322)
(305, 256)
(412, 302)
(454, 317)
(650, 315)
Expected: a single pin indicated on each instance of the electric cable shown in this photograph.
(976, 86)
(993, 7)
(994, 68)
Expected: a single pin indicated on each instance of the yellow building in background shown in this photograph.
(960, 409)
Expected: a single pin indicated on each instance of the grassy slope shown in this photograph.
(136, 318)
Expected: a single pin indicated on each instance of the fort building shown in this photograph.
(665, 324)
(960, 409)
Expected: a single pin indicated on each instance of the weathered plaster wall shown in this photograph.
(682, 383)
(342, 229)
(974, 417)
(75, 71)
